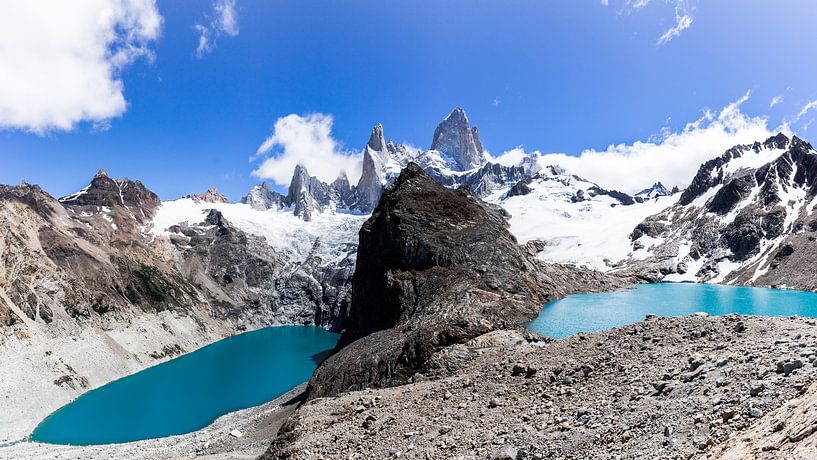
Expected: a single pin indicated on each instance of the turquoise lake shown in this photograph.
(188, 393)
(593, 312)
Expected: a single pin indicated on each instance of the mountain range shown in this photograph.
(113, 272)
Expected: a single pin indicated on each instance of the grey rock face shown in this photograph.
(302, 191)
(372, 179)
(456, 139)
(262, 198)
(256, 285)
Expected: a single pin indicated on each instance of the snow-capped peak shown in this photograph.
(656, 189)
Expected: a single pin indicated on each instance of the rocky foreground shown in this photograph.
(672, 388)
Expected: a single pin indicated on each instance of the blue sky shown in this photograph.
(549, 76)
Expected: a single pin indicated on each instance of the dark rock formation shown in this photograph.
(435, 267)
(520, 188)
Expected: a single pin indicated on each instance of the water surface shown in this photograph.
(190, 392)
(592, 312)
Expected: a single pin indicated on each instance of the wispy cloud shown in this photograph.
(222, 21)
(62, 61)
(683, 15)
(682, 23)
(811, 105)
(775, 100)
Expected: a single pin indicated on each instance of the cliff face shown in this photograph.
(435, 267)
(458, 141)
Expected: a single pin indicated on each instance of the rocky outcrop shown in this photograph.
(210, 196)
(435, 267)
(261, 198)
(458, 141)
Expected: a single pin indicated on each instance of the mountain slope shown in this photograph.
(112, 273)
(746, 218)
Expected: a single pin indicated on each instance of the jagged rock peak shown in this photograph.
(778, 141)
(301, 195)
(654, 190)
(458, 141)
(377, 141)
(210, 196)
(101, 173)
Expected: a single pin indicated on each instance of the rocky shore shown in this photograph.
(670, 388)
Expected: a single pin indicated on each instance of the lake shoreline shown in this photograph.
(257, 425)
(33, 363)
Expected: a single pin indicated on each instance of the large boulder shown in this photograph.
(435, 267)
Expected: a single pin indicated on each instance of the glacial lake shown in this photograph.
(593, 312)
(189, 392)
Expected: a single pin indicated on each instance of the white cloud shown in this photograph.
(222, 21)
(775, 100)
(510, 158)
(305, 140)
(673, 161)
(227, 17)
(61, 61)
(205, 46)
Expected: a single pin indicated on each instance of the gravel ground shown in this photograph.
(669, 388)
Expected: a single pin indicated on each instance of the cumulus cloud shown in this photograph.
(223, 21)
(673, 160)
(510, 158)
(61, 61)
(305, 140)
